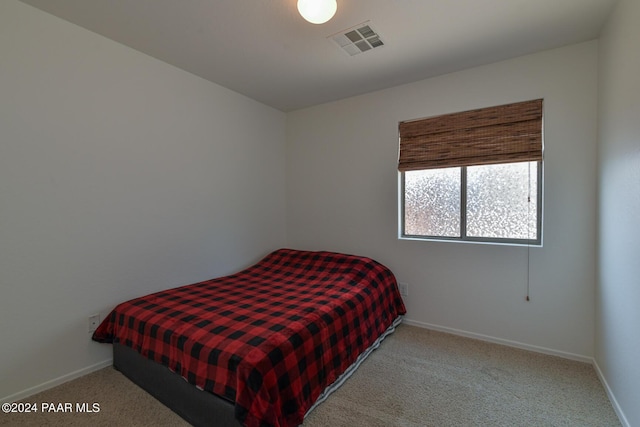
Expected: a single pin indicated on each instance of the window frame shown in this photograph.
(463, 216)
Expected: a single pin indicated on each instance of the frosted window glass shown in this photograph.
(432, 202)
(502, 201)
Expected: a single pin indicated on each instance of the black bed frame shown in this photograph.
(199, 408)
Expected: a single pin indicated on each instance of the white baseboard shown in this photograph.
(516, 344)
(612, 397)
(56, 381)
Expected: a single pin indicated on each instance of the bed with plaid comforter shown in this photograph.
(270, 338)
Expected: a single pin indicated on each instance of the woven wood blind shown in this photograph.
(503, 134)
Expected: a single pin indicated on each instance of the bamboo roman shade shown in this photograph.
(503, 134)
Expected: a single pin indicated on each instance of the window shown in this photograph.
(473, 176)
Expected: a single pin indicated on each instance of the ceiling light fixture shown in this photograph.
(317, 11)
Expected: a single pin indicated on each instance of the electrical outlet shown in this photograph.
(94, 321)
(404, 289)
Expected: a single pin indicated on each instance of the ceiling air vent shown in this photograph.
(357, 39)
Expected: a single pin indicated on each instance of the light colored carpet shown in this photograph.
(416, 378)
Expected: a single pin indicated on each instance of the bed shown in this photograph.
(260, 347)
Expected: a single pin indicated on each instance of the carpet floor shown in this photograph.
(417, 378)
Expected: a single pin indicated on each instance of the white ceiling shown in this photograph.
(265, 50)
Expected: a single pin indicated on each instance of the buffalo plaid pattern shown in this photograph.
(269, 338)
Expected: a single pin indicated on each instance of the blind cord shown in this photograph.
(528, 262)
(528, 233)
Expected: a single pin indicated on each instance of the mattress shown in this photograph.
(269, 339)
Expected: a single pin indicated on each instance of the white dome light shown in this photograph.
(317, 11)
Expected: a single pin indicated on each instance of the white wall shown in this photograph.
(343, 189)
(618, 292)
(119, 175)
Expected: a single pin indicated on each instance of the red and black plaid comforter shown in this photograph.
(269, 338)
